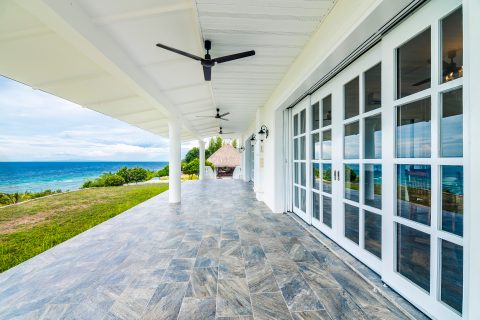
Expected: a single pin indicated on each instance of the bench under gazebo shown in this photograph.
(225, 160)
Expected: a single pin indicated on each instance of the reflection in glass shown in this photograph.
(414, 192)
(373, 88)
(413, 255)
(413, 139)
(316, 176)
(327, 111)
(302, 148)
(373, 233)
(452, 275)
(452, 199)
(327, 211)
(413, 65)
(296, 166)
(327, 178)
(316, 205)
(451, 125)
(352, 182)
(316, 147)
(351, 223)
(303, 200)
(352, 101)
(315, 116)
(351, 141)
(303, 121)
(373, 137)
(373, 185)
(295, 149)
(452, 46)
(295, 125)
(297, 196)
(327, 145)
(303, 174)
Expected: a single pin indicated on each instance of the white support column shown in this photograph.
(201, 148)
(175, 173)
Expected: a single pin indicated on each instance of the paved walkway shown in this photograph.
(219, 255)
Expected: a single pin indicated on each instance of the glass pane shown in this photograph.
(413, 138)
(413, 255)
(352, 182)
(413, 65)
(316, 148)
(327, 111)
(452, 46)
(327, 145)
(451, 125)
(327, 211)
(352, 101)
(373, 185)
(296, 196)
(452, 199)
(316, 176)
(452, 275)
(373, 233)
(295, 169)
(303, 121)
(373, 137)
(303, 200)
(351, 223)
(327, 178)
(316, 205)
(303, 174)
(373, 88)
(315, 116)
(414, 192)
(295, 149)
(302, 148)
(351, 141)
(295, 124)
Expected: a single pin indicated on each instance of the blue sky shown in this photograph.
(37, 126)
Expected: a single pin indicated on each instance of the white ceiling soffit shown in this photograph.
(276, 29)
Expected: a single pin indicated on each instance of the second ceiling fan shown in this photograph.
(208, 62)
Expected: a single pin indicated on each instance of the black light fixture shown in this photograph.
(241, 149)
(252, 140)
(263, 133)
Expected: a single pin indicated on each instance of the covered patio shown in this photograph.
(206, 258)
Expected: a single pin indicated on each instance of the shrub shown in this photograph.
(111, 180)
(163, 172)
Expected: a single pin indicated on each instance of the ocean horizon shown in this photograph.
(35, 176)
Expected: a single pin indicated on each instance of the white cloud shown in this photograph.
(36, 126)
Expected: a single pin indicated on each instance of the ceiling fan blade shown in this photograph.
(183, 53)
(207, 73)
(223, 119)
(205, 116)
(225, 114)
(421, 82)
(234, 56)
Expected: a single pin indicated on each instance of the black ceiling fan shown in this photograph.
(221, 131)
(217, 116)
(208, 62)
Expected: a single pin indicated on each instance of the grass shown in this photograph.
(30, 228)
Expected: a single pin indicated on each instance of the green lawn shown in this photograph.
(30, 228)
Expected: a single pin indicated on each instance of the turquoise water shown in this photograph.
(38, 176)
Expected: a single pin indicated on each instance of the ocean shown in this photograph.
(39, 176)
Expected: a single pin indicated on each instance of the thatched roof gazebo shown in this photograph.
(225, 160)
(225, 157)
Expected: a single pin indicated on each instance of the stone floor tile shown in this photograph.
(166, 301)
(311, 315)
(231, 267)
(233, 298)
(270, 306)
(203, 283)
(340, 305)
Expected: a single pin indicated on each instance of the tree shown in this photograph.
(214, 145)
(192, 154)
(133, 174)
(163, 172)
(235, 143)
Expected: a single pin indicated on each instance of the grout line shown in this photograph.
(374, 286)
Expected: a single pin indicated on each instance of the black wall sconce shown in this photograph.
(252, 140)
(263, 133)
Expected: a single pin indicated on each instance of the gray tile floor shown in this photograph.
(219, 255)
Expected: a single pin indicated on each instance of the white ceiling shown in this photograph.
(102, 55)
